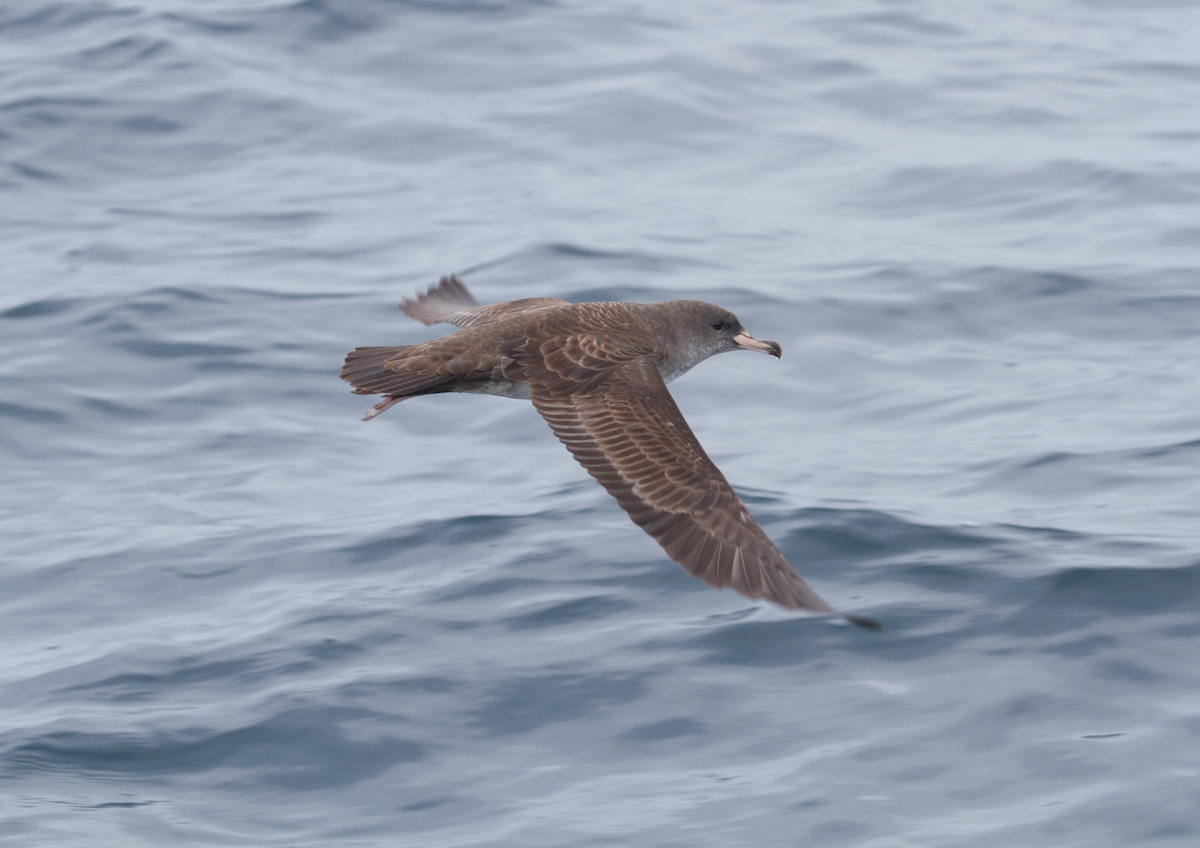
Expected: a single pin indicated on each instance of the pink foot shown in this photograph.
(381, 406)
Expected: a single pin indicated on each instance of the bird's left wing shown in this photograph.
(623, 426)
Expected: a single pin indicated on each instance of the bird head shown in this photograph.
(698, 330)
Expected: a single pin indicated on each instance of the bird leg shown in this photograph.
(381, 406)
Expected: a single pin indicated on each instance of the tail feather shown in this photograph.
(362, 363)
(366, 370)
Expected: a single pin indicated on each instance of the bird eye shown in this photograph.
(719, 325)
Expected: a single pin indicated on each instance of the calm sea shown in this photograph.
(233, 614)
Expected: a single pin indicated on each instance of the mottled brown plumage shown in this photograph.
(597, 372)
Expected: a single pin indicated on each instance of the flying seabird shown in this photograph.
(598, 374)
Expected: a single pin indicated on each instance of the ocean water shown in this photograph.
(233, 614)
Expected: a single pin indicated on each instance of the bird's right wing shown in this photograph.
(451, 302)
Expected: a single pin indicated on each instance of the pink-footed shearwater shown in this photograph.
(598, 374)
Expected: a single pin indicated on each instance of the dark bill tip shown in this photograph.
(747, 342)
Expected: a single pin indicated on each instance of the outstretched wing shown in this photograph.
(626, 430)
(451, 302)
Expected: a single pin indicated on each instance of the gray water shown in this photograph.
(232, 613)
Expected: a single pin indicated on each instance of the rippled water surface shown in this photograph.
(234, 614)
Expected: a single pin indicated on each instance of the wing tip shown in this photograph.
(447, 298)
(864, 622)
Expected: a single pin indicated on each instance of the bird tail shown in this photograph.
(365, 370)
